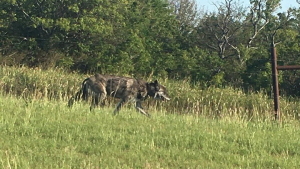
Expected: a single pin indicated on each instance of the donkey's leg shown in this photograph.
(139, 108)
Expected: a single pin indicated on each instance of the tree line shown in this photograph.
(175, 39)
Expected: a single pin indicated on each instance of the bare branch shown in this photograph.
(224, 26)
(256, 17)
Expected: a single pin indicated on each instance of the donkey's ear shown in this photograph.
(156, 82)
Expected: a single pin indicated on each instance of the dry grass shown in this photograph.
(212, 102)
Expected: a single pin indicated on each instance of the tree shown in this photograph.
(186, 14)
(287, 40)
(222, 29)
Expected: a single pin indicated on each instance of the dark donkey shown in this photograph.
(124, 88)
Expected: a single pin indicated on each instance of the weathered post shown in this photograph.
(275, 69)
(275, 82)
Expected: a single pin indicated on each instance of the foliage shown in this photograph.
(164, 38)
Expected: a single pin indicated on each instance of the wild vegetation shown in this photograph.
(175, 39)
(57, 84)
(214, 64)
(38, 130)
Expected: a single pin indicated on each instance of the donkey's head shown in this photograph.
(157, 91)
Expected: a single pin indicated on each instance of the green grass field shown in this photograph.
(47, 134)
(198, 128)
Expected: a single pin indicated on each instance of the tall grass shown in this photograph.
(38, 130)
(47, 134)
(37, 83)
(34, 83)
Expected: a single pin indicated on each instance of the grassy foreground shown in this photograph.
(47, 134)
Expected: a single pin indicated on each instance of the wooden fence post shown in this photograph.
(275, 69)
(275, 82)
